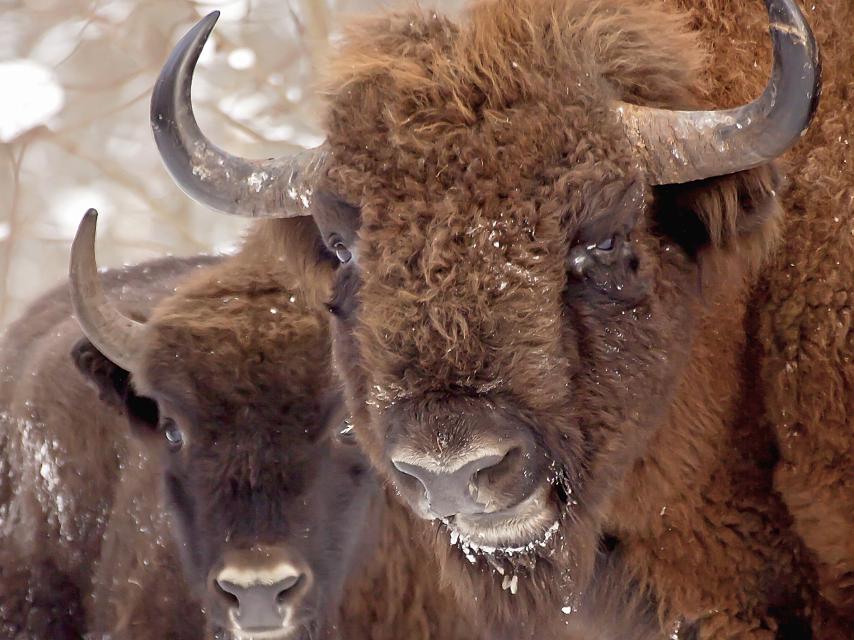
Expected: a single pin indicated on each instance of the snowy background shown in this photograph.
(75, 81)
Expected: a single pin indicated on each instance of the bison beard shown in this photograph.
(536, 322)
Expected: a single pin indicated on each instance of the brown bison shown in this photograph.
(269, 521)
(587, 328)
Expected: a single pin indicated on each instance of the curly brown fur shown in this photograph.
(478, 155)
(802, 300)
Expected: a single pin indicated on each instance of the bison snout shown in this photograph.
(261, 597)
(483, 480)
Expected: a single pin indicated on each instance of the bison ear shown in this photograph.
(114, 386)
(737, 213)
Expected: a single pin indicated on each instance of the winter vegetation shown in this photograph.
(74, 133)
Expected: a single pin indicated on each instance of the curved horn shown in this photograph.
(274, 188)
(680, 146)
(113, 334)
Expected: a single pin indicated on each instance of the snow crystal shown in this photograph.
(256, 180)
(510, 583)
(470, 547)
(44, 473)
(385, 396)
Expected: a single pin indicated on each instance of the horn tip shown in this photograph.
(86, 231)
(210, 19)
(89, 221)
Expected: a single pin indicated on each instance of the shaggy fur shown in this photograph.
(87, 545)
(694, 398)
(802, 318)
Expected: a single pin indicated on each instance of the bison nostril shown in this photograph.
(504, 467)
(288, 587)
(407, 478)
(485, 480)
(225, 594)
(449, 488)
(259, 598)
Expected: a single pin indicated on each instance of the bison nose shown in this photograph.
(261, 599)
(455, 487)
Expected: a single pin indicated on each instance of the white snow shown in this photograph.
(43, 477)
(242, 58)
(470, 548)
(32, 97)
(256, 180)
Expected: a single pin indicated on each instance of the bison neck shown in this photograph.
(699, 506)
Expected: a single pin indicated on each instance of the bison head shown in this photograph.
(531, 224)
(229, 389)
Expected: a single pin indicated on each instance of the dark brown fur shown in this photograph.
(698, 413)
(89, 543)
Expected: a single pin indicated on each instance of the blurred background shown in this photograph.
(75, 81)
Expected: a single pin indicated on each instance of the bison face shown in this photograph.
(266, 505)
(528, 245)
(232, 401)
(510, 348)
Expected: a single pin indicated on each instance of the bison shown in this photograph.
(268, 521)
(587, 327)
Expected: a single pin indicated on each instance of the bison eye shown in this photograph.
(611, 266)
(173, 434)
(606, 245)
(342, 252)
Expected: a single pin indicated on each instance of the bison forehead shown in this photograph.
(238, 362)
(418, 65)
(460, 244)
(460, 283)
(531, 79)
(475, 153)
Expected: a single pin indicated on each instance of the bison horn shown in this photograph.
(113, 334)
(681, 146)
(273, 188)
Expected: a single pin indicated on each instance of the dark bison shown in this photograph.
(269, 521)
(587, 328)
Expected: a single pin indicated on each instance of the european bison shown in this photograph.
(269, 521)
(586, 327)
